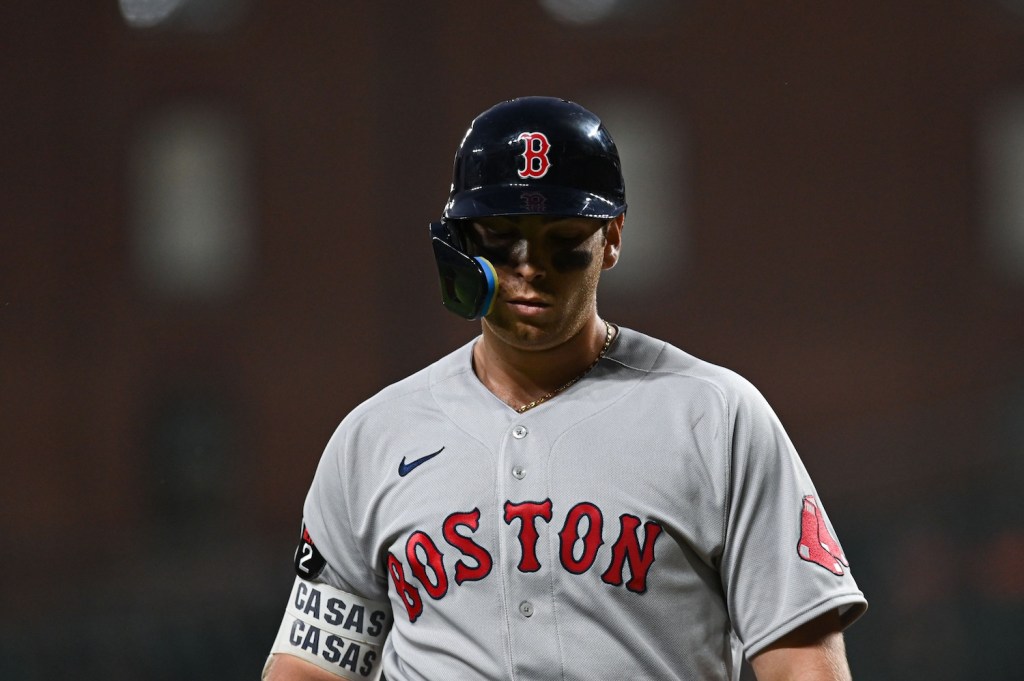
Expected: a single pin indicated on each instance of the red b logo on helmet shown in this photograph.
(535, 154)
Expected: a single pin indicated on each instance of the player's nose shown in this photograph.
(527, 259)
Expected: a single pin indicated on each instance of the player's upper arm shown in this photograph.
(282, 667)
(812, 652)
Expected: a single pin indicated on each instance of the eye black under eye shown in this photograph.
(498, 234)
(568, 238)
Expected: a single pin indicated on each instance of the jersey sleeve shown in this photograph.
(337, 616)
(335, 522)
(782, 564)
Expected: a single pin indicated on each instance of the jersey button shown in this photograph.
(518, 472)
(526, 609)
(519, 432)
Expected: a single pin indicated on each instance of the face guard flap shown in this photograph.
(468, 284)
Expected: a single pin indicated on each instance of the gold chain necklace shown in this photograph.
(578, 377)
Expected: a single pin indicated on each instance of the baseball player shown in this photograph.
(561, 498)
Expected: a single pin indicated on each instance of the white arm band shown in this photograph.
(337, 631)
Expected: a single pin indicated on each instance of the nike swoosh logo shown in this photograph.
(405, 468)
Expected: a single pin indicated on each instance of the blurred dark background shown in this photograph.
(214, 244)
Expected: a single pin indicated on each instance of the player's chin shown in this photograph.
(526, 332)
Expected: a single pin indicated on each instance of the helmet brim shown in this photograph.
(530, 199)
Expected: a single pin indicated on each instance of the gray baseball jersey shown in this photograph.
(651, 522)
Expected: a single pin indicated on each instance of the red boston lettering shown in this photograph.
(570, 534)
(434, 560)
(463, 571)
(527, 512)
(627, 547)
(579, 543)
(409, 594)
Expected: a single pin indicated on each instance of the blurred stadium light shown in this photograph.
(191, 204)
(1003, 149)
(198, 15)
(590, 12)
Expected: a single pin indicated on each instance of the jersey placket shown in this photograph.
(525, 556)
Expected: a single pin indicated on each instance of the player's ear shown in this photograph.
(613, 241)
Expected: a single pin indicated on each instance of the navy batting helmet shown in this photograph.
(526, 156)
(536, 155)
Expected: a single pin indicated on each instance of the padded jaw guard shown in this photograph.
(468, 284)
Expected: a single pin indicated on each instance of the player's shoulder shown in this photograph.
(402, 412)
(665, 362)
(414, 391)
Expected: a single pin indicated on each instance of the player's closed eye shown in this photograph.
(568, 237)
(493, 233)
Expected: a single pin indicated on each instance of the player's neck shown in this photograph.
(519, 376)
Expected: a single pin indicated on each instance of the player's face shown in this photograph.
(548, 270)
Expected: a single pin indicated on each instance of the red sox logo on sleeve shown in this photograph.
(535, 155)
(816, 543)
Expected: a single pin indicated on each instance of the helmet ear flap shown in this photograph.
(468, 284)
(457, 233)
